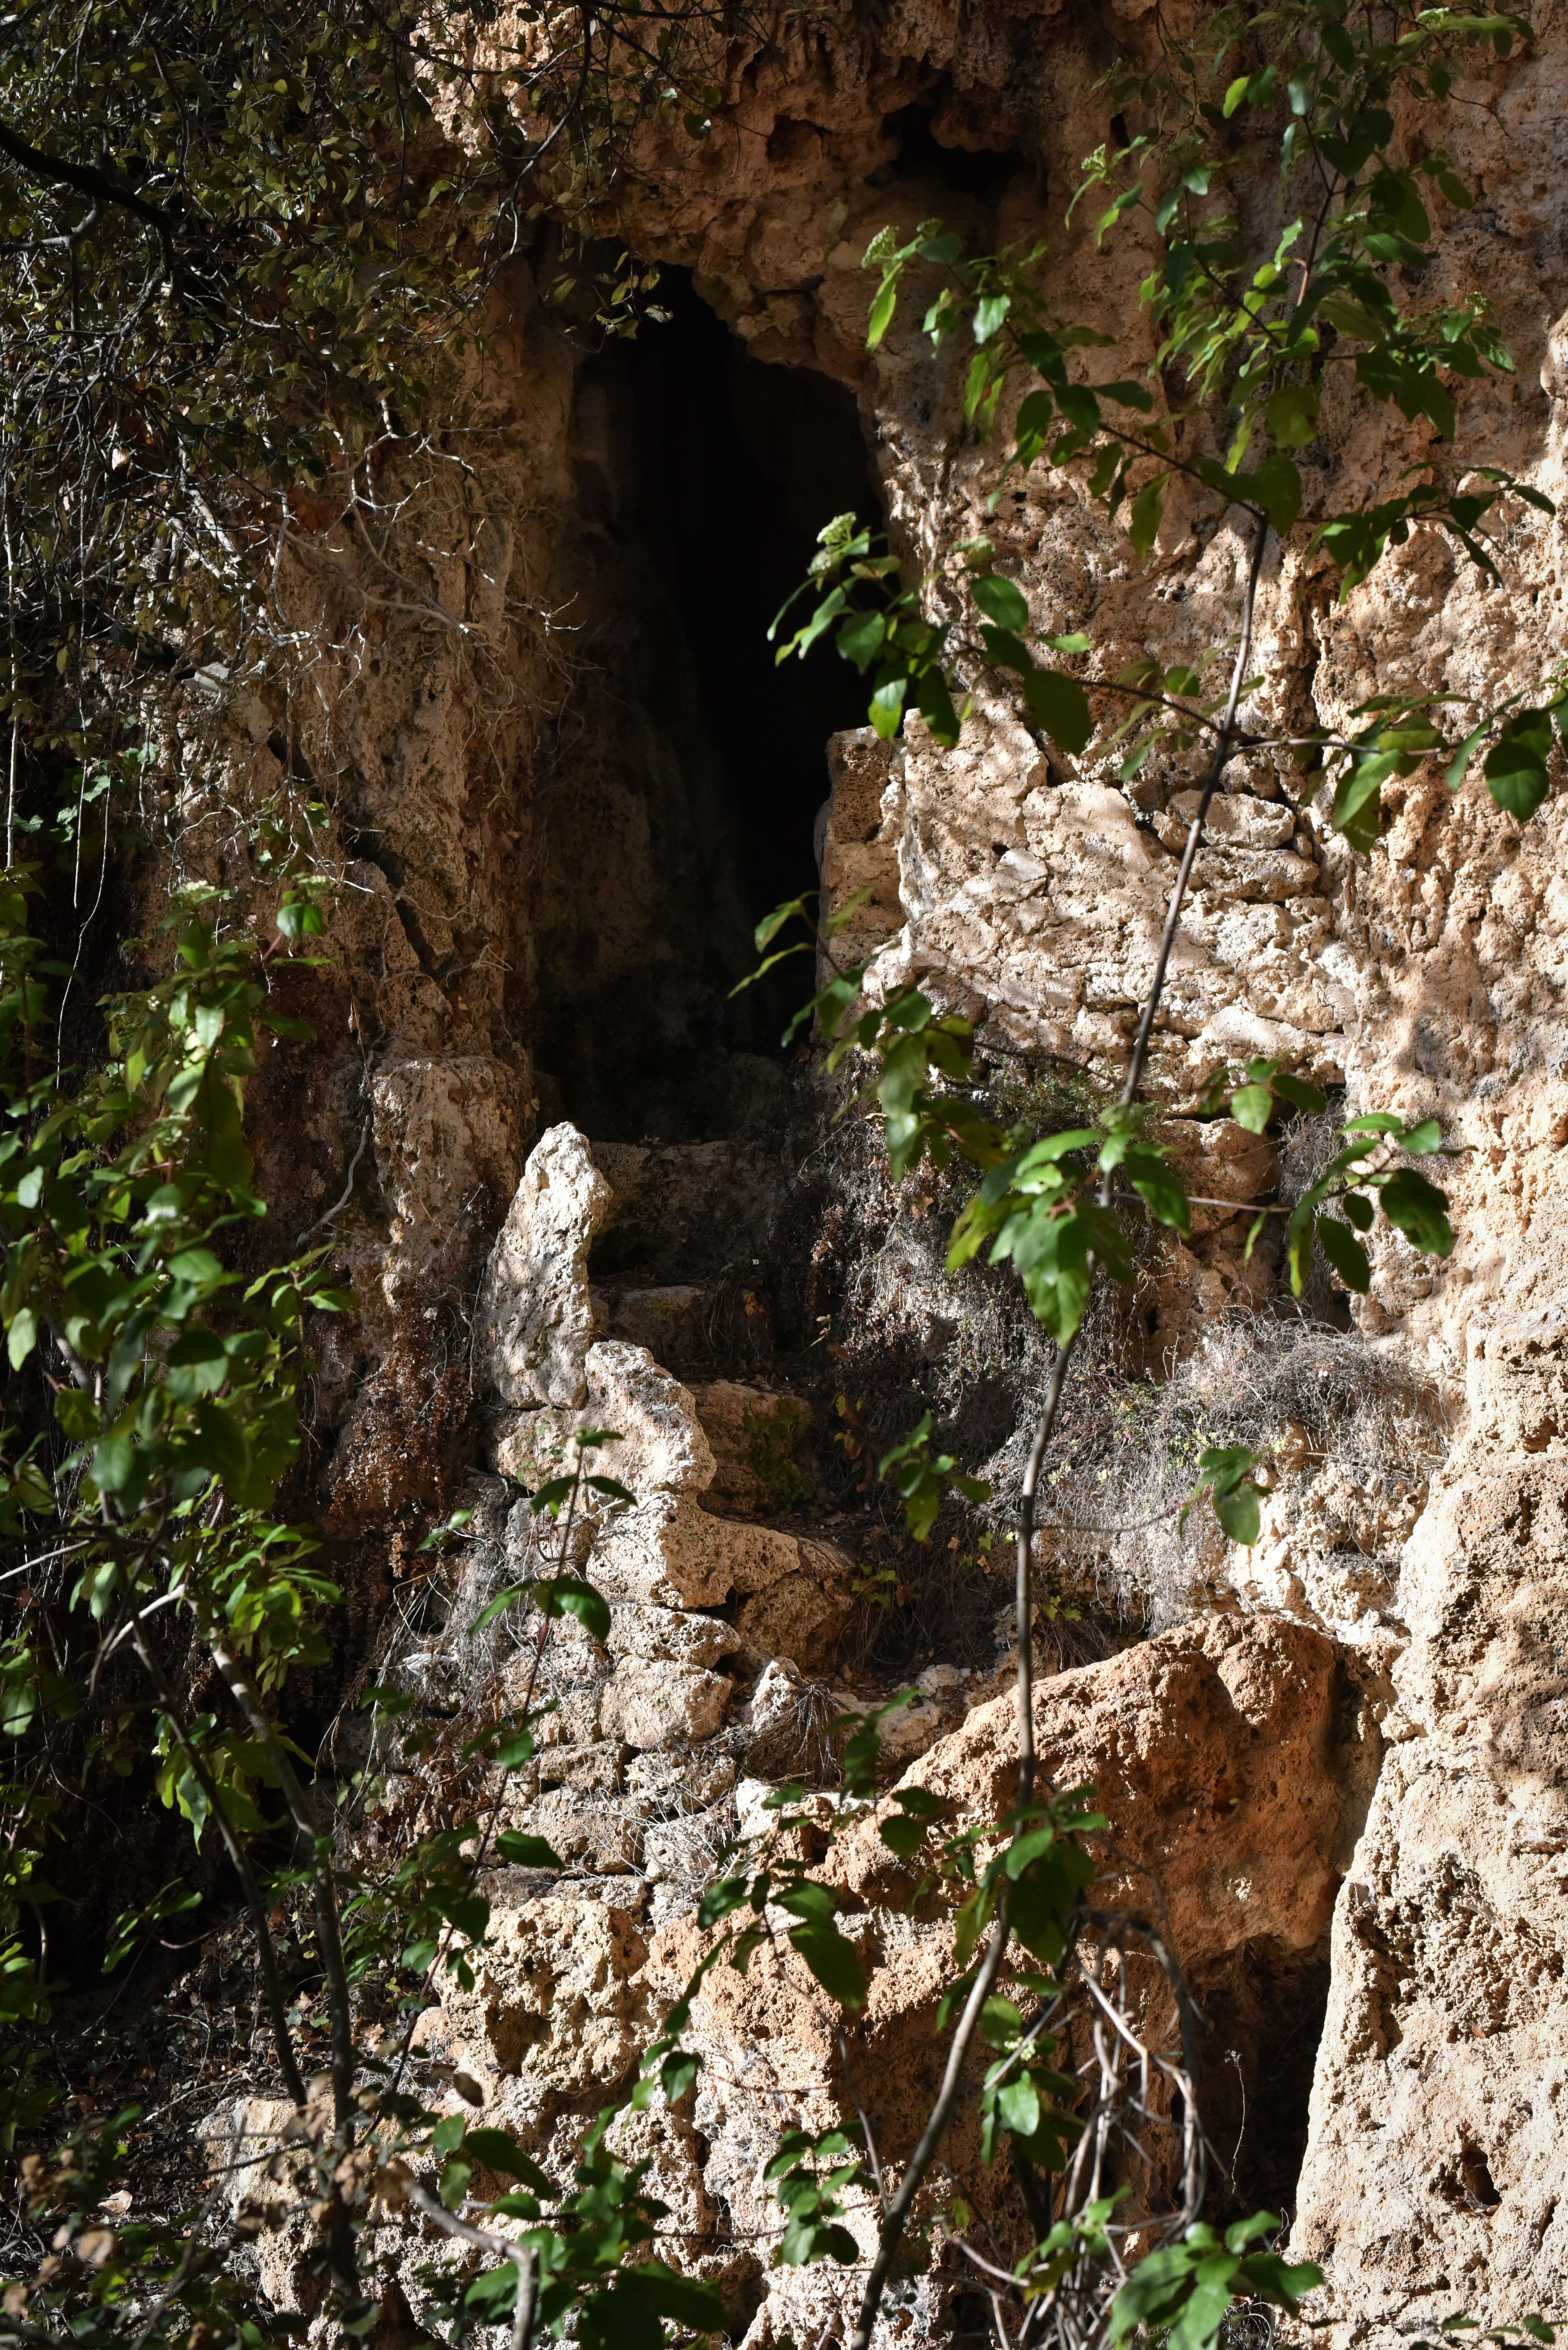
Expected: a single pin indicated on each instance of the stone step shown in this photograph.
(696, 1327)
(686, 1211)
(741, 1446)
(674, 1545)
(664, 1256)
(620, 1286)
(759, 1438)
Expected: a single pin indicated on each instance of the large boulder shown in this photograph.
(534, 1322)
(1233, 1758)
(658, 1444)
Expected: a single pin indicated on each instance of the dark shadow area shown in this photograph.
(737, 467)
(703, 478)
(983, 172)
(1263, 2018)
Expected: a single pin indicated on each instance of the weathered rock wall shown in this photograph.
(519, 822)
(1428, 980)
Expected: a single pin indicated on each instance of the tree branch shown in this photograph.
(921, 2159)
(526, 2260)
(58, 171)
(329, 1926)
(267, 1957)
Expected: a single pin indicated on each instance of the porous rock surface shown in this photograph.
(1440, 2109)
(534, 1322)
(1234, 1776)
(1427, 982)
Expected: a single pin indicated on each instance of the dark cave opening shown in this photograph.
(983, 172)
(737, 466)
(703, 476)
(1261, 2020)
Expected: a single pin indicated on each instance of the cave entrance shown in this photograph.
(737, 467)
(703, 476)
(1262, 2019)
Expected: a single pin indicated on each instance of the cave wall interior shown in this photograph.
(556, 815)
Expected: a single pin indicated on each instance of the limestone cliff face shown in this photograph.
(1428, 980)
(539, 890)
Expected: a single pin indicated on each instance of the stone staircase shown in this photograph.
(621, 1295)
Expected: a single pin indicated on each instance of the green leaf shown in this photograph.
(114, 1464)
(568, 1595)
(677, 2074)
(1060, 707)
(1007, 650)
(1346, 1253)
(1039, 1906)
(1158, 1183)
(492, 2294)
(1419, 1210)
(18, 1704)
(816, 1904)
(499, 1604)
(989, 312)
(1515, 767)
(552, 1494)
(687, 2301)
(1252, 1107)
(834, 1961)
(1144, 513)
(885, 708)
(884, 304)
(1276, 484)
(1458, 765)
(1027, 1849)
(936, 706)
(201, 1356)
(497, 2152)
(1242, 2232)
(904, 1837)
(1127, 394)
(1000, 600)
(469, 1912)
(218, 1440)
(1299, 1093)
(22, 1337)
(1001, 2023)
(725, 1895)
(919, 1802)
(769, 926)
(527, 1851)
(1051, 1253)
(1357, 803)
(1018, 2104)
(1238, 1513)
(197, 1265)
(1291, 416)
(612, 1488)
(860, 639)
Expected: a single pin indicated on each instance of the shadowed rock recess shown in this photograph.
(582, 1185)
